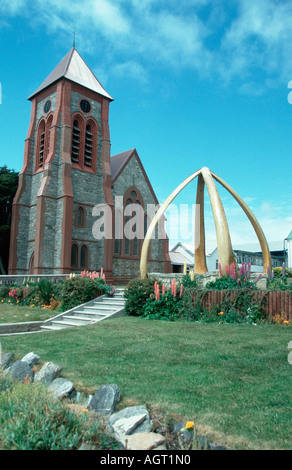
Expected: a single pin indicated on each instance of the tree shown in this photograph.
(8, 187)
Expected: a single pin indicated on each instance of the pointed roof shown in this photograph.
(120, 161)
(290, 236)
(75, 69)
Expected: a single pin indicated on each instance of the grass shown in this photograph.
(234, 381)
(11, 313)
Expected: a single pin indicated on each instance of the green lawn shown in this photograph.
(10, 313)
(234, 381)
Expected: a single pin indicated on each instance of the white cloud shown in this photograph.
(230, 40)
(259, 38)
(11, 7)
(131, 69)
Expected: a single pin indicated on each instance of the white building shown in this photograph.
(281, 251)
(288, 246)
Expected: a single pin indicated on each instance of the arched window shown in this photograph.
(79, 257)
(84, 142)
(48, 134)
(118, 231)
(134, 223)
(84, 257)
(88, 146)
(43, 141)
(127, 235)
(136, 231)
(80, 217)
(75, 152)
(74, 256)
(41, 144)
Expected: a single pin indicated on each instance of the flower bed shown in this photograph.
(232, 298)
(56, 295)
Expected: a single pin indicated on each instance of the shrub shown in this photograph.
(238, 308)
(282, 272)
(4, 291)
(190, 281)
(137, 293)
(233, 279)
(45, 291)
(30, 294)
(77, 290)
(15, 293)
(31, 419)
(165, 308)
(222, 283)
(279, 283)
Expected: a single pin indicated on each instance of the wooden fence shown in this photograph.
(272, 302)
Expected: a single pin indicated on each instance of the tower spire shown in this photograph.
(74, 38)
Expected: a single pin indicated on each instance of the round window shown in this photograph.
(85, 106)
(47, 106)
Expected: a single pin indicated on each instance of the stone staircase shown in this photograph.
(101, 308)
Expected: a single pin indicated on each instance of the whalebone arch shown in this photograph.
(225, 252)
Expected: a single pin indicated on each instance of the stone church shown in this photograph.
(67, 173)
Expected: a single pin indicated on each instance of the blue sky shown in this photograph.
(195, 83)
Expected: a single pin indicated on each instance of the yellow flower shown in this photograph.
(85, 410)
(190, 424)
(185, 268)
(285, 321)
(221, 313)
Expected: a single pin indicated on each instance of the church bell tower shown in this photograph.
(66, 172)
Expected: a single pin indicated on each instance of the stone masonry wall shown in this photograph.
(88, 191)
(132, 175)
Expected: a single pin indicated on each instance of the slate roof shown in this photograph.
(178, 258)
(119, 161)
(75, 69)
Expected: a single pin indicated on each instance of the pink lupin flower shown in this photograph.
(173, 290)
(232, 271)
(163, 290)
(220, 270)
(181, 290)
(157, 295)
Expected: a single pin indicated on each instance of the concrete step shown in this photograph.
(114, 304)
(65, 322)
(52, 327)
(78, 318)
(102, 308)
(89, 313)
